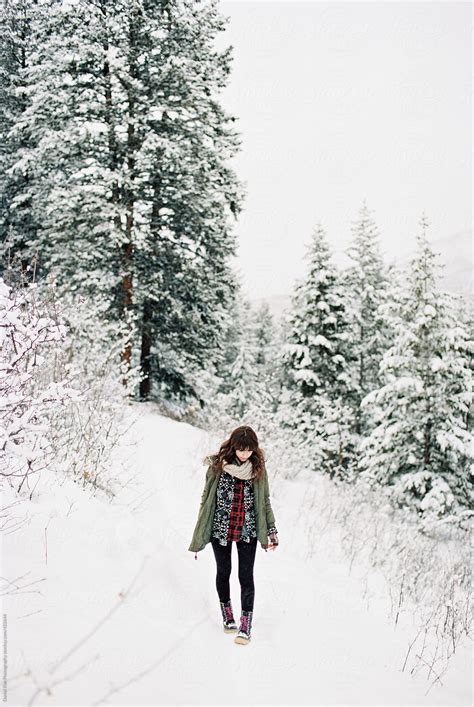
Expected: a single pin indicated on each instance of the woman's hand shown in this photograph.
(273, 541)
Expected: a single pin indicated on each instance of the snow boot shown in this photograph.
(245, 628)
(228, 616)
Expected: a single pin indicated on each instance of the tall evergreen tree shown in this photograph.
(17, 224)
(133, 194)
(315, 380)
(250, 372)
(265, 333)
(267, 347)
(365, 286)
(247, 371)
(312, 356)
(420, 445)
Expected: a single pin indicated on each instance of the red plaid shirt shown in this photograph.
(237, 511)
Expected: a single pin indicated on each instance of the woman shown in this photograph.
(235, 506)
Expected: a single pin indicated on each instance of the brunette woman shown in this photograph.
(235, 507)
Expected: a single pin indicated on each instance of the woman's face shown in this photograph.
(243, 454)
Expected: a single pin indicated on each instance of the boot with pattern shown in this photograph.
(228, 616)
(245, 628)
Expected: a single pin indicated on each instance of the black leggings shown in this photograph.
(246, 552)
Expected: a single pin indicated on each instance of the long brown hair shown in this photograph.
(242, 437)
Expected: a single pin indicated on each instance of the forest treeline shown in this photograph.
(118, 208)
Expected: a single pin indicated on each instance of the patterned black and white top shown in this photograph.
(225, 507)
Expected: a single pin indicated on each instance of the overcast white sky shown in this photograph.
(341, 101)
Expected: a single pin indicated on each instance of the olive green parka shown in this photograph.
(264, 517)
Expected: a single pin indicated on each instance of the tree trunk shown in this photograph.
(127, 248)
(145, 383)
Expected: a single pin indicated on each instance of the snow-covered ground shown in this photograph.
(105, 604)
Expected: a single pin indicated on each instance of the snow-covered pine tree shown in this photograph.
(246, 385)
(133, 194)
(365, 287)
(464, 312)
(250, 370)
(264, 332)
(268, 343)
(192, 199)
(17, 224)
(246, 371)
(420, 445)
(317, 327)
(71, 129)
(313, 362)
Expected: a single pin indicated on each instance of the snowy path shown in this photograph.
(314, 641)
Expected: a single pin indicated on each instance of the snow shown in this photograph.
(320, 340)
(429, 310)
(73, 622)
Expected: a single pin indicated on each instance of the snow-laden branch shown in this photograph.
(27, 335)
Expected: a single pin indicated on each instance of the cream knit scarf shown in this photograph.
(241, 471)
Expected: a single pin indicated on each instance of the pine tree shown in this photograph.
(264, 333)
(17, 225)
(267, 347)
(187, 192)
(312, 356)
(132, 190)
(365, 286)
(420, 445)
(249, 373)
(315, 381)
